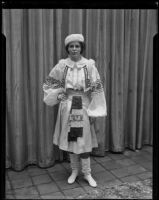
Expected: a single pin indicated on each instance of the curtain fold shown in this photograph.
(121, 43)
(132, 40)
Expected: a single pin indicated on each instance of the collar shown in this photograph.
(81, 63)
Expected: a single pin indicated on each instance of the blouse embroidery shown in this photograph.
(75, 81)
(97, 86)
(53, 83)
(87, 78)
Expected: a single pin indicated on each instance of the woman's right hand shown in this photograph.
(62, 97)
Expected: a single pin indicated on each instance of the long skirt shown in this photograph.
(88, 140)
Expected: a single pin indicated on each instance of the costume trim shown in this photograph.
(64, 77)
(87, 80)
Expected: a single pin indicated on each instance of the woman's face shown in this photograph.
(74, 49)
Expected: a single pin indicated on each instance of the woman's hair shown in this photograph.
(82, 44)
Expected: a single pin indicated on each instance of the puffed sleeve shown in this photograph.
(97, 106)
(53, 85)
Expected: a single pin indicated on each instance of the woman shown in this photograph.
(75, 83)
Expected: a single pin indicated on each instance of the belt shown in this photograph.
(76, 90)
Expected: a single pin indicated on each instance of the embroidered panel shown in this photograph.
(73, 117)
(76, 119)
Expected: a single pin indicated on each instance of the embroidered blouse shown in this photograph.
(76, 75)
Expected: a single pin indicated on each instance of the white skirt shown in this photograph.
(88, 140)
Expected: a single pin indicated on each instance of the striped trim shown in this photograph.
(64, 77)
(87, 80)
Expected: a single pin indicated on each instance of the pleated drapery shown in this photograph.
(121, 43)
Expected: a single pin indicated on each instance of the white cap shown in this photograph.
(74, 37)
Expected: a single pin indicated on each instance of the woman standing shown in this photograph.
(75, 83)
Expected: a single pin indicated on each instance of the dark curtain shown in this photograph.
(121, 43)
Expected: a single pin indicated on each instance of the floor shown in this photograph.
(51, 183)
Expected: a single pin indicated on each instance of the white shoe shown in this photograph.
(90, 180)
(73, 176)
